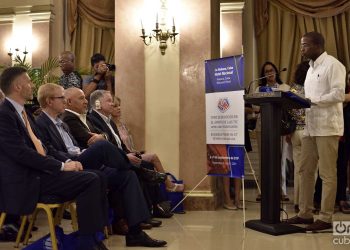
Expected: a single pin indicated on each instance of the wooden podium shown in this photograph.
(271, 105)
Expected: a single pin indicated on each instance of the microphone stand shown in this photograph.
(272, 74)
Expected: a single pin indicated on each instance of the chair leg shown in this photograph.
(51, 228)
(73, 213)
(30, 226)
(21, 230)
(59, 214)
(2, 220)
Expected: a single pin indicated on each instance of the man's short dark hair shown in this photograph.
(8, 76)
(316, 38)
(97, 58)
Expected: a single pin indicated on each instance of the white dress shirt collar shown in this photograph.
(319, 60)
(82, 117)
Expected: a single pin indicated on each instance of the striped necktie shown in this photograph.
(37, 143)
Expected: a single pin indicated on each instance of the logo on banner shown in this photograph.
(223, 105)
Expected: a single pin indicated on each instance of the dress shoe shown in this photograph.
(344, 207)
(318, 225)
(151, 176)
(299, 220)
(10, 231)
(160, 212)
(154, 223)
(120, 227)
(145, 226)
(143, 240)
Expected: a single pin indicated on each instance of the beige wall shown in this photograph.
(5, 31)
(59, 40)
(130, 62)
(163, 96)
(249, 42)
(41, 31)
(162, 105)
(40, 13)
(148, 84)
(231, 26)
(195, 49)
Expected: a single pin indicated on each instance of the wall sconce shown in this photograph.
(160, 35)
(17, 57)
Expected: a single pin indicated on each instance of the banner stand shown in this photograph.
(243, 189)
(189, 193)
(252, 171)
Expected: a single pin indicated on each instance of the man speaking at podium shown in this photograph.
(325, 87)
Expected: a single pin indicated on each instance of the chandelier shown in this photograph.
(161, 36)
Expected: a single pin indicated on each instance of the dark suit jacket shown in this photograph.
(21, 167)
(78, 129)
(52, 138)
(81, 133)
(100, 124)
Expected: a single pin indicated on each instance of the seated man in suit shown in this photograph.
(102, 104)
(27, 174)
(87, 134)
(101, 155)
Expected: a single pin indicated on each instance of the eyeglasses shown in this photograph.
(64, 61)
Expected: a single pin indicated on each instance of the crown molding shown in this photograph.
(236, 7)
(7, 19)
(39, 13)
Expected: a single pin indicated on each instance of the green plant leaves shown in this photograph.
(42, 75)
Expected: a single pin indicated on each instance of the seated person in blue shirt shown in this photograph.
(103, 76)
(70, 77)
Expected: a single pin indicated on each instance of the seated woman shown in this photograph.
(149, 157)
(270, 79)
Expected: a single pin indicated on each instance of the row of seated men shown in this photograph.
(64, 154)
(103, 79)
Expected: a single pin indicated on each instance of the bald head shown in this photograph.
(76, 100)
(68, 54)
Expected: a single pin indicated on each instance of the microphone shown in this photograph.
(257, 79)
